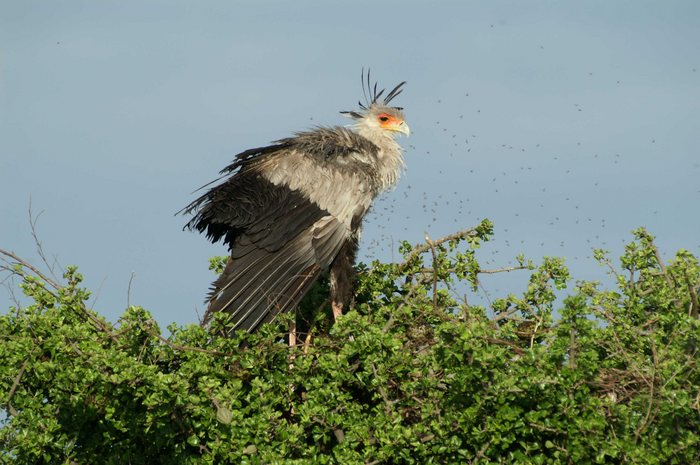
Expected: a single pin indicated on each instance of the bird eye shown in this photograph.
(383, 118)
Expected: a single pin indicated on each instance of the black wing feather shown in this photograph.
(247, 203)
(258, 284)
(279, 241)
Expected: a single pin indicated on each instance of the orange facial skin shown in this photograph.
(392, 123)
(387, 121)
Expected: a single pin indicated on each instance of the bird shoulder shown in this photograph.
(332, 143)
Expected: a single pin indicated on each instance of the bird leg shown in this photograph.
(337, 310)
(342, 275)
(292, 343)
(307, 342)
(292, 334)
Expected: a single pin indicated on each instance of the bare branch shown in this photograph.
(387, 402)
(572, 348)
(190, 348)
(97, 293)
(517, 349)
(33, 220)
(694, 308)
(503, 315)
(172, 345)
(29, 266)
(486, 293)
(15, 384)
(491, 271)
(648, 416)
(435, 276)
(480, 453)
(83, 310)
(9, 284)
(506, 269)
(128, 290)
(419, 249)
(662, 266)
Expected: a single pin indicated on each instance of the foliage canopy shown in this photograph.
(412, 375)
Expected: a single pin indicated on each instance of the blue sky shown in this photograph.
(566, 123)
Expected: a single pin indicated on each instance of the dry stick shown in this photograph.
(516, 348)
(174, 346)
(15, 384)
(96, 321)
(661, 265)
(686, 365)
(29, 266)
(419, 249)
(669, 281)
(480, 452)
(659, 260)
(507, 314)
(486, 293)
(505, 269)
(491, 271)
(387, 402)
(694, 307)
(435, 276)
(292, 333)
(647, 418)
(10, 286)
(39, 245)
(606, 261)
(630, 363)
(430, 245)
(465, 306)
(572, 348)
(534, 331)
(187, 348)
(97, 293)
(307, 342)
(128, 290)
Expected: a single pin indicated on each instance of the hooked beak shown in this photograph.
(403, 129)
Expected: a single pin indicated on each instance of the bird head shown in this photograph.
(376, 115)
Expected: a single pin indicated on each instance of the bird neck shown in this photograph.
(389, 163)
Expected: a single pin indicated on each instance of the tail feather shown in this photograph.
(256, 286)
(257, 283)
(288, 299)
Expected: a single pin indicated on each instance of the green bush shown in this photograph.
(411, 375)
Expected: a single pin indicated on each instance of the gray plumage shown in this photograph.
(293, 210)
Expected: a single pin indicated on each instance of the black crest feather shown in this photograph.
(372, 95)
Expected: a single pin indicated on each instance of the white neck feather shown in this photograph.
(390, 160)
